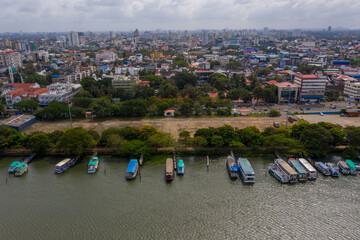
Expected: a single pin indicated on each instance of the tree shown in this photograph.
(274, 113)
(186, 107)
(83, 102)
(208, 111)
(227, 133)
(54, 136)
(144, 92)
(167, 90)
(134, 148)
(101, 107)
(332, 95)
(198, 141)
(146, 131)
(352, 134)
(350, 152)
(155, 81)
(245, 95)
(217, 141)
(182, 79)
(43, 81)
(233, 64)
(250, 136)
(6, 136)
(27, 105)
(53, 111)
(316, 139)
(114, 141)
(38, 143)
(160, 140)
(75, 141)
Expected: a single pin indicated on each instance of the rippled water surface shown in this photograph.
(202, 204)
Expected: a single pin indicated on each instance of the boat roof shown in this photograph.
(92, 162)
(298, 166)
(350, 163)
(287, 167)
(246, 166)
(343, 164)
(94, 158)
(323, 165)
(21, 165)
(181, 163)
(132, 165)
(63, 162)
(14, 163)
(169, 165)
(307, 165)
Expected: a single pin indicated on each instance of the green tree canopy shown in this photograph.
(75, 141)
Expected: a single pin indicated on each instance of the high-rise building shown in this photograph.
(329, 28)
(74, 39)
(10, 58)
(266, 31)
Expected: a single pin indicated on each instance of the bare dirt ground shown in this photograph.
(335, 119)
(171, 125)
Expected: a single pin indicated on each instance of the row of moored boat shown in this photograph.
(240, 168)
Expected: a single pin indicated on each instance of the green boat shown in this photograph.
(21, 169)
(12, 166)
(93, 164)
(351, 166)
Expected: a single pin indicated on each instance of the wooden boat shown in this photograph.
(180, 167)
(21, 169)
(233, 169)
(63, 165)
(12, 166)
(246, 171)
(287, 169)
(334, 170)
(343, 167)
(169, 169)
(311, 171)
(278, 173)
(352, 167)
(93, 164)
(132, 169)
(321, 167)
(302, 173)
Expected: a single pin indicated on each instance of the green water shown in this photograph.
(202, 204)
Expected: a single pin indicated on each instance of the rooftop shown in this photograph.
(285, 84)
(310, 76)
(17, 121)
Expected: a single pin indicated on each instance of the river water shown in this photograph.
(202, 204)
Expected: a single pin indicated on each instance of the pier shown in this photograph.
(29, 159)
(207, 161)
(141, 160)
(174, 159)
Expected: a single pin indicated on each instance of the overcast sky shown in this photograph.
(117, 15)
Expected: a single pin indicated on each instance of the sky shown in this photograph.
(121, 15)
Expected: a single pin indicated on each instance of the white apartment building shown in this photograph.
(311, 87)
(352, 90)
(61, 92)
(10, 58)
(107, 56)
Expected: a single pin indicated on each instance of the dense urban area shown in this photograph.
(247, 73)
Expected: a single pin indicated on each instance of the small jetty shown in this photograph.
(169, 169)
(132, 169)
(246, 171)
(180, 167)
(302, 173)
(232, 168)
(322, 168)
(93, 164)
(311, 171)
(334, 170)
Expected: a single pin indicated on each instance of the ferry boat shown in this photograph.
(334, 170)
(180, 167)
(246, 171)
(352, 166)
(20, 169)
(12, 166)
(93, 164)
(233, 169)
(284, 166)
(311, 171)
(132, 169)
(64, 165)
(169, 169)
(343, 167)
(277, 173)
(302, 173)
(321, 167)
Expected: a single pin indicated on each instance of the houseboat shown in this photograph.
(352, 166)
(180, 167)
(278, 173)
(64, 165)
(343, 167)
(284, 166)
(93, 164)
(169, 169)
(334, 170)
(132, 169)
(321, 167)
(246, 171)
(302, 173)
(311, 171)
(12, 166)
(233, 169)
(21, 169)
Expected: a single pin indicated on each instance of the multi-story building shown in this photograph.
(352, 89)
(10, 58)
(74, 39)
(107, 56)
(61, 92)
(23, 94)
(124, 82)
(287, 92)
(311, 87)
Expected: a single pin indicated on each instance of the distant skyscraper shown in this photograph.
(329, 29)
(266, 31)
(136, 33)
(74, 39)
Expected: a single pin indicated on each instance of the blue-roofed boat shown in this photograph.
(180, 167)
(276, 171)
(322, 168)
(63, 165)
(233, 169)
(21, 169)
(132, 169)
(93, 164)
(12, 166)
(246, 171)
(299, 169)
(334, 170)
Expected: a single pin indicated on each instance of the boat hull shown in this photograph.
(275, 173)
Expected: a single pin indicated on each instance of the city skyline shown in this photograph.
(94, 15)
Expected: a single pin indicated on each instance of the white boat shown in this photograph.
(246, 171)
(278, 174)
(287, 169)
(312, 173)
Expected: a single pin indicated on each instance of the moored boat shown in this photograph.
(63, 165)
(311, 171)
(169, 169)
(12, 166)
(20, 169)
(343, 167)
(352, 166)
(334, 170)
(180, 167)
(233, 169)
(287, 169)
(132, 169)
(302, 173)
(246, 171)
(277, 173)
(322, 168)
(93, 164)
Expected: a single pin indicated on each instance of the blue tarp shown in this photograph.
(311, 97)
(132, 165)
(235, 168)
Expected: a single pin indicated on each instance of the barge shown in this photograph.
(284, 166)
(352, 167)
(63, 165)
(311, 171)
(278, 173)
(132, 169)
(232, 168)
(302, 173)
(12, 166)
(169, 169)
(246, 171)
(343, 167)
(21, 169)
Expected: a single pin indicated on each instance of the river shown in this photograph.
(202, 204)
